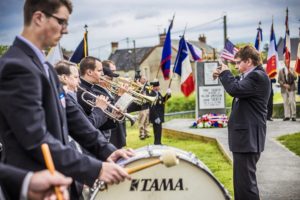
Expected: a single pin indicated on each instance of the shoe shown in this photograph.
(293, 119)
(286, 119)
(147, 136)
(142, 137)
(270, 119)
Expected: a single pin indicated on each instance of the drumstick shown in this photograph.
(168, 158)
(51, 168)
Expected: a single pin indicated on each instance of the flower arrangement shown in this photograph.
(211, 120)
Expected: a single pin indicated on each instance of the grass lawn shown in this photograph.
(207, 152)
(292, 142)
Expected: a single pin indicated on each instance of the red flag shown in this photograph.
(272, 62)
(297, 65)
(287, 42)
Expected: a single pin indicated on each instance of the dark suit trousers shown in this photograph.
(270, 106)
(157, 133)
(244, 176)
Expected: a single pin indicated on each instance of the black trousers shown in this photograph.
(270, 106)
(157, 133)
(244, 176)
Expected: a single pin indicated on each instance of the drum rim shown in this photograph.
(195, 161)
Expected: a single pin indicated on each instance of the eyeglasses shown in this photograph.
(63, 22)
(238, 62)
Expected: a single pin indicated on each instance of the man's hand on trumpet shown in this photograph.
(102, 102)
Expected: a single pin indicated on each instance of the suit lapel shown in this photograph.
(54, 86)
(60, 101)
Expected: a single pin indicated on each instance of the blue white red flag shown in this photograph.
(184, 69)
(195, 52)
(272, 61)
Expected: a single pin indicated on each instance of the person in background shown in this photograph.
(157, 111)
(287, 80)
(247, 121)
(143, 118)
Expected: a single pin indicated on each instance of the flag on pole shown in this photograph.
(195, 52)
(165, 63)
(81, 50)
(259, 38)
(184, 69)
(272, 62)
(297, 65)
(229, 51)
(55, 54)
(287, 42)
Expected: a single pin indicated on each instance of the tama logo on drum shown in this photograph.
(156, 185)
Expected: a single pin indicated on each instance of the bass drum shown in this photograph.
(189, 180)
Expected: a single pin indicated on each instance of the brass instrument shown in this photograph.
(138, 87)
(138, 97)
(116, 113)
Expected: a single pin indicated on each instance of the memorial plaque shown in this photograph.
(208, 71)
(210, 94)
(211, 97)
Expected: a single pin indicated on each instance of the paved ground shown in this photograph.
(278, 170)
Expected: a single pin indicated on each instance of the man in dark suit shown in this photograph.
(32, 103)
(247, 122)
(27, 185)
(157, 111)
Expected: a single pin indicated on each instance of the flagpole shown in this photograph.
(176, 61)
(159, 68)
(86, 53)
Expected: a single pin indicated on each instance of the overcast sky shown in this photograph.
(142, 20)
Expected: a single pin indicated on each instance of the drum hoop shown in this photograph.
(193, 160)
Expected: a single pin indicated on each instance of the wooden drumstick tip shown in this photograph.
(169, 158)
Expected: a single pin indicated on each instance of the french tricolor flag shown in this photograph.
(195, 52)
(272, 62)
(184, 69)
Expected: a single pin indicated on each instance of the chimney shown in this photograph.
(202, 38)
(114, 47)
(162, 37)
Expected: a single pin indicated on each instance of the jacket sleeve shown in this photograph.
(22, 109)
(85, 133)
(97, 117)
(247, 87)
(12, 178)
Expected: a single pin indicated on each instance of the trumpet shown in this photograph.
(138, 97)
(116, 113)
(136, 86)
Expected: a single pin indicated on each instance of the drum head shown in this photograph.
(190, 179)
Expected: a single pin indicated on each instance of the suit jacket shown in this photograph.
(247, 121)
(97, 90)
(290, 79)
(158, 109)
(31, 113)
(12, 178)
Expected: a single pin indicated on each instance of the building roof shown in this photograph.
(126, 59)
(294, 48)
(201, 45)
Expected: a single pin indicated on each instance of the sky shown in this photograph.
(142, 20)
